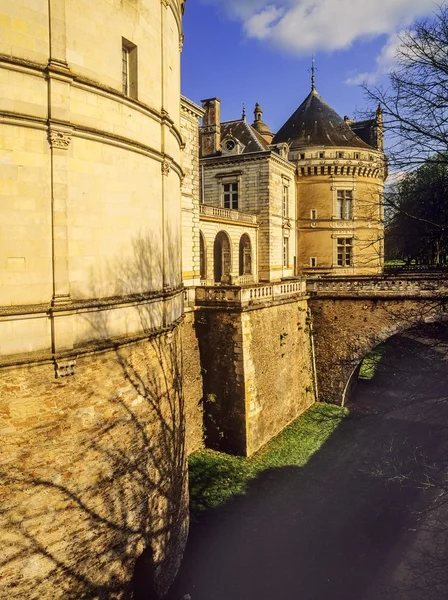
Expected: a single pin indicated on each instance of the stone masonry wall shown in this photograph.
(92, 466)
(192, 385)
(346, 329)
(257, 373)
(190, 114)
(278, 369)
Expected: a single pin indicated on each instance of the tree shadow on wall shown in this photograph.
(94, 502)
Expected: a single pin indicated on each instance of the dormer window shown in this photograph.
(340, 155)
(302, 156)
(231, 145)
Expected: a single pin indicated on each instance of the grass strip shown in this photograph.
(371, 362)
(216, 477)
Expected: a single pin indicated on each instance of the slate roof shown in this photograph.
(242, 131)
(315, 123)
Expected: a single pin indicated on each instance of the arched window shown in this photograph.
(202, 257)
(221, 256)
(245, 255)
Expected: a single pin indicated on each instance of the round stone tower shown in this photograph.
(341, 170)
(93, 465)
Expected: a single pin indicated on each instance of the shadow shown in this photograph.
(94, 499)
(358, 520)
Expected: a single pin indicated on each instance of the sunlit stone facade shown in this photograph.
(94, 499)
(90, 170)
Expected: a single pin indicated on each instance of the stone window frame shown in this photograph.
(129, 69)
(229, 178)
(285, 196)
(313, 262)
(285, 252)
(339, 186)
(346, 236)
(202, 256)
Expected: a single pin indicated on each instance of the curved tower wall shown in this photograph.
(90, 176)
(92, 458)
(322, 172)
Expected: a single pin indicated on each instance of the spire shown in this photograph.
(313, 79)
(244, 113)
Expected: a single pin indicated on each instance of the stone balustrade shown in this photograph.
(248, 295)
(226, 213)
(380, 286)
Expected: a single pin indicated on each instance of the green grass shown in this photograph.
(394, 263)
(371, 362)
(216, 477)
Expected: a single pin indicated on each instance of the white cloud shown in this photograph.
(385, 62)
(305, 26)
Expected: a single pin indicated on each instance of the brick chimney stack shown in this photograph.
(211, 127)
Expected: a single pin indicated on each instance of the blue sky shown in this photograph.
(260, 51)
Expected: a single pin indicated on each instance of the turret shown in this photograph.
(261, 127)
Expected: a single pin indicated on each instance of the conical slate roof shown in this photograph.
(315, 123)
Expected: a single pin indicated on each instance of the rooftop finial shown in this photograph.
(244, 113)
(313, 79)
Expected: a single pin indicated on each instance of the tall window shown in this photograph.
(345, 252)
(129, 68)
(285, 211)
(286, 252)
(344, 204)
(230, 195)
(245, 255)
(202, 257)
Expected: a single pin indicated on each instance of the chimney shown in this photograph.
(211, 127)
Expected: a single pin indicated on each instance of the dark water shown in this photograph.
(365, 519)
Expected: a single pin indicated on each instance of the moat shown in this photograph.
(366, 518)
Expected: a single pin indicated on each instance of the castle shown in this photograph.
(147, 267)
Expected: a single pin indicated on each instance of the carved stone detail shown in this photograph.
(64, 367)
(59, 138)
(181, 42)
(166, 3)
(166, 167)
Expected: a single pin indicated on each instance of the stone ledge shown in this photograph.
(94, 347)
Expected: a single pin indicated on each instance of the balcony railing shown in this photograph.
(405, 285)
(239, 296)
(226, 213)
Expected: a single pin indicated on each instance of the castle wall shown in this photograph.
(346, 329)
(317, 187)
(92, 410)
(257, 372)
(190, 113)
(210, 227)
(93, 473)
(192, 373)
(90, 174)
(261, 180)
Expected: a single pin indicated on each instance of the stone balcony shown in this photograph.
(235, 296)
(226, 214)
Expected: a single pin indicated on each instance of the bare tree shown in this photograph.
(415, 104)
